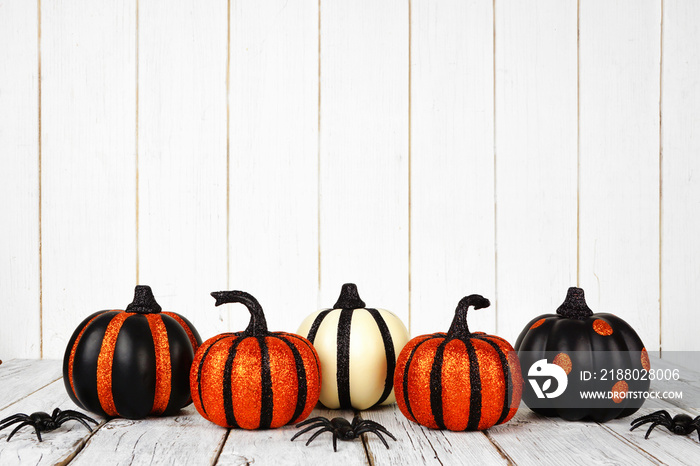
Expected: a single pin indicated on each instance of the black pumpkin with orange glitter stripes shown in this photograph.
(133, 363)
(254, 379)
(458, 380)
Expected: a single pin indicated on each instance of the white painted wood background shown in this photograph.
(424, 150)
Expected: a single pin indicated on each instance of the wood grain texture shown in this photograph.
(364, 152)
(680, 200)
(619, 161)
(182, 156)
(88, 107)
(536, 127)
(273, 446)
(530, 439)
(452, 157)
(419, 445)
(19, 179)
(186, 438)
(20, 377)
(273, 137)
(58, 446)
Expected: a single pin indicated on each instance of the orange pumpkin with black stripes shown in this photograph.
(254, 379)
(458, 380)
(132, 363)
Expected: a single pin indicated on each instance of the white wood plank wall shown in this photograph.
(422, 149)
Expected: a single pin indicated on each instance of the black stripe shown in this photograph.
(343, 358)
(267, 404)
(475, 387)
(390, 355)
(199, 371)
(405, 376)
(301, 378)
(436, 384)
(305, 341)
(227, 386)
(317, 323)
(508, 398)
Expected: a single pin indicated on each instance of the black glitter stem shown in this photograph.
(459, 325)
(144, 302)
(258, 324)
(574, 306)
(349, 298)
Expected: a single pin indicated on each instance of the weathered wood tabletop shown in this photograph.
(27, 386)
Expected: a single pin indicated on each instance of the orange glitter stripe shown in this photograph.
(104, 363)
(187, 328)
(163, 369)
(71, 359)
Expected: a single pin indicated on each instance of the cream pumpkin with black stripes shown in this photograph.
(133, 363)
(357, 347)
(459, 380)
(254, 379)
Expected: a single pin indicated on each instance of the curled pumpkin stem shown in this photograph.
(459, 323)
(258, 324)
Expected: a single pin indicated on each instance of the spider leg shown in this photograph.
(63, 420)
(325, 429)
(651, 428)
(335, 442)
(666, 421)
(312, 427)
(314, 419)
(13, 419)
(661, 414)
(377, 426)
(70, 414)
(375, 432)
(25, 423)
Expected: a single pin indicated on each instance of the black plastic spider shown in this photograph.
(680, 424)
(42, 422)
(342, 429)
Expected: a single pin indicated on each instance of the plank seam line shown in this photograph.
(365, 446)
(632, 444)
(215, 459)
(39, 148)
(81, 445)
(318, 156)
(228, 149)
(136, 131)
(30, 393)
(578, 143)
(495, 174)
(661, 161)
(498, 448)
(410, 127)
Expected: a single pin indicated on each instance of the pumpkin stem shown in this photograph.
(258, 324)
(349, 298)
(144, 302)
(459, 323)
(574, 306)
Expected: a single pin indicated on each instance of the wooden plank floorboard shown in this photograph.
(186, 438)
(58, 446)
(273, 446)
(416, 444)
(20, 377)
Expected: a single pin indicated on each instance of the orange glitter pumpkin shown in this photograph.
(133, 363)
(254, 379)
(458, 380)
